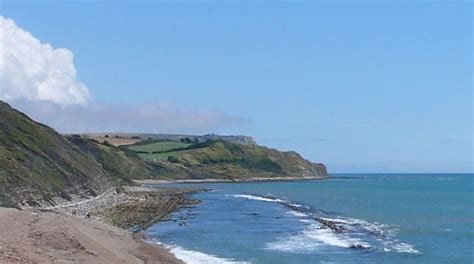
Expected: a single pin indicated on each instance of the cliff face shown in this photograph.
(38, 164)
(224, 160)
(243, 140)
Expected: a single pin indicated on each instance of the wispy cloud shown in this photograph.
(41, 81)
(297, 139)
(149, 117)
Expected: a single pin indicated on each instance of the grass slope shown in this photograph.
(224, 160)
(38, 164)
(157, 150)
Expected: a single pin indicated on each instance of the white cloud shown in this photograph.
(32, 70)
(102, 117)
(41, 81)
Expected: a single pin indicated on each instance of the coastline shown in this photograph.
(106, 228)
(102, 229)
(31, 236)
(211, 180)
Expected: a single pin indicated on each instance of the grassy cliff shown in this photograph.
(38, 164)
(220, 159)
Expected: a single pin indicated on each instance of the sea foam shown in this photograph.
(257, 198)
(313, 238)
(315, 235)
(196, 257)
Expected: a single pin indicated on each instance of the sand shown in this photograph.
(30, 236)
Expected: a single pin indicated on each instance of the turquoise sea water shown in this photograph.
(382, 218)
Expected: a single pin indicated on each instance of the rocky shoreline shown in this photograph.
(133, 208)
(143, 208)
(212, 180)
(101, 229)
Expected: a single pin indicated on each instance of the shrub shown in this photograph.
(173, 159)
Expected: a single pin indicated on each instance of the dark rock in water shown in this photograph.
(331, 225)
(357, 246)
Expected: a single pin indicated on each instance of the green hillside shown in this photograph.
(157, 150)
(224, 160)
(38, 164)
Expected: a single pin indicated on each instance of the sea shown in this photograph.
(348, 218)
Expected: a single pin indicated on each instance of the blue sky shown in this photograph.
(360, 86)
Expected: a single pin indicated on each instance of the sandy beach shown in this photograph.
(93, 230)
(31, 236)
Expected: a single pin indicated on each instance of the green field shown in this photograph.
(162, 146)
(224, 160)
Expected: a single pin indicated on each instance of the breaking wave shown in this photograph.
(197, 257)
(327, 230)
